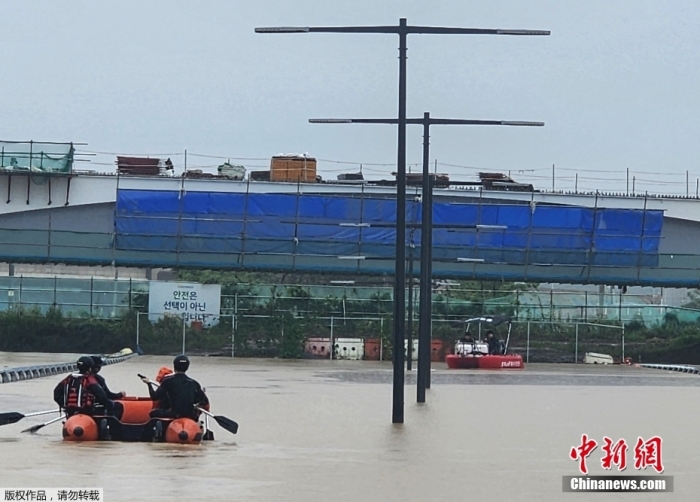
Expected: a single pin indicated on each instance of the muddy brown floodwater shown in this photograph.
(321, 431)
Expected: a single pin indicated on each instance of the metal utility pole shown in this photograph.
(402, 30)
(409, 350)
(426, 261)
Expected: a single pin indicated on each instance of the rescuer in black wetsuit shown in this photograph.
(97, 363)
(467, 338)
(494, 347)
(80, 392)
(182, 393)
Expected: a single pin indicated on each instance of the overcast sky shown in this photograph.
(617, 84)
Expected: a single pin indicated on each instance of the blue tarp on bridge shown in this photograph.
(308, 225)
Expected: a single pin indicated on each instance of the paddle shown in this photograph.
(224, 422)
(13, 417)
(35, 428)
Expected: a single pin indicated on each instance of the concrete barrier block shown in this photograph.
(349, 348)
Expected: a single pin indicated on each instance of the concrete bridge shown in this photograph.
(75, 219)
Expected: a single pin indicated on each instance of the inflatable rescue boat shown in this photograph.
(136, 425)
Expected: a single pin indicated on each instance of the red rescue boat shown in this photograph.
(470, 354)
(485, 362)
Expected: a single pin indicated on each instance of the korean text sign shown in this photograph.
(188, 300)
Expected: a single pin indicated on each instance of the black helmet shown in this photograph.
(181, 363)
(84, 364)
(97, 363)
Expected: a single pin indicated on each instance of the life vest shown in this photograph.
(76, 393)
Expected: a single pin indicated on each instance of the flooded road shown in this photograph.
(321, 431)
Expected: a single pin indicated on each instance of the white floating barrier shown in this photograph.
(681, 368)
(8, 375)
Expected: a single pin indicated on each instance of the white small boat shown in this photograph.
(595, 358)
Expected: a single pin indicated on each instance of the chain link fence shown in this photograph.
(111, 298)
(251, 335)
(276, 321)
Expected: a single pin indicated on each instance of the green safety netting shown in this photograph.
(543, 305)
(36, 157)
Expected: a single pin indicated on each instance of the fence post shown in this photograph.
(233, 333)
(619, 308)
(622, 361)
(381, 338)
(527, 347)
(138, 326)
(92, 290)
(576, 350)
(332, 341)
(551, 305)
(183, 333)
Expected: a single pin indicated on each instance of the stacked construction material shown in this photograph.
(259, 176)
(198, 174)
(352, 177)
(499, 181)
(138, 166)
(416, 179)
(294, 167)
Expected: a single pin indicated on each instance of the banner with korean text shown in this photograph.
(190, 301)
